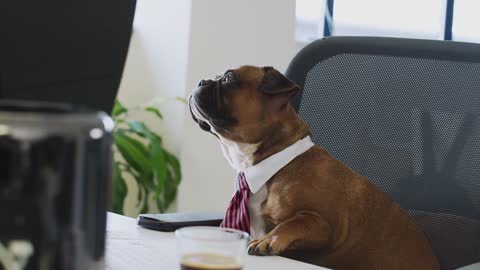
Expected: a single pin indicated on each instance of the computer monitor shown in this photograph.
(64, 51)
(54, 183)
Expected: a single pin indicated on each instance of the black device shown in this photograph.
(64, 51)
(55, 157)
(172, 221)
(54, 186)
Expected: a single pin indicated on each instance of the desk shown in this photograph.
(132, 247)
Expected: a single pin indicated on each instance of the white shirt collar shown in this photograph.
(258, 174)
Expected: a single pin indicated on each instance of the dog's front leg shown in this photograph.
(306, 230)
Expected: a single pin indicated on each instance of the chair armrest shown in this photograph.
(475, 266)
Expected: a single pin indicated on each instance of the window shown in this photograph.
(466, 21)
(310, 18)
(406, 18)
(425, 19)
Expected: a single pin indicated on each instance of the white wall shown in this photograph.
(226, 34)
(156, 66)
(177, 43)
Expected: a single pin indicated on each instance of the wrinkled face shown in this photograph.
(243, 104)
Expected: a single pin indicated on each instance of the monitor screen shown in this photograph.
(64, 51)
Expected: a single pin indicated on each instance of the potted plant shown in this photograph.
(141, 155)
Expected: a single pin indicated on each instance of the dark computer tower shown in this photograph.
(54, 186)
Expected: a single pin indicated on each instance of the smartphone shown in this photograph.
(172, 221)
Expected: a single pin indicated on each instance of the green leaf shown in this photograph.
(147, 180)
(119, 121)
(144, 183)
(119, 189)
(142, 130)
(160, 205)
(118, 109)
(138, 128)
(173, 179)
(170, 190)
(128, 169)
(133, 151)
(139, 196)
(159, 164)
(154, 169)
(181, 99)
(174, 166)
(154, 111)
(145, 202)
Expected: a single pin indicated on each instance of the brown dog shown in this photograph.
(315, 208)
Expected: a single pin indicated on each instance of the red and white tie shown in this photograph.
(236, 216)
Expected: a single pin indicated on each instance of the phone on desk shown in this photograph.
(172, 221)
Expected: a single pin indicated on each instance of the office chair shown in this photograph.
(404, 113)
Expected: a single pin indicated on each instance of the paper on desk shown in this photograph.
(130, 247)
(125, 253)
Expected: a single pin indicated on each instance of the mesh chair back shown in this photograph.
(406, 114)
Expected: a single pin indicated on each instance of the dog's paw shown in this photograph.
(267, 246)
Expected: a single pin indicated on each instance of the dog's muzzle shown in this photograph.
(209, 94)
(203, 124)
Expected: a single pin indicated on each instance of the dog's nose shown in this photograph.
(205, 82)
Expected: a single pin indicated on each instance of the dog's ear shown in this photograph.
(276, 84)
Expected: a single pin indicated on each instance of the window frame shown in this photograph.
(328, 21)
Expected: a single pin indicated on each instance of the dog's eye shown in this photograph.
(227, 78)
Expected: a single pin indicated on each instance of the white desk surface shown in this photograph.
(130, 246)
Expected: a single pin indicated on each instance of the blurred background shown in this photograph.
(177, 43)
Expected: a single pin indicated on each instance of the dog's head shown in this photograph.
(243, 105)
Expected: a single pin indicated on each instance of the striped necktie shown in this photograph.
(236, 216)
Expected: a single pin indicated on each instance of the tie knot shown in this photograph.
(242, 182)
